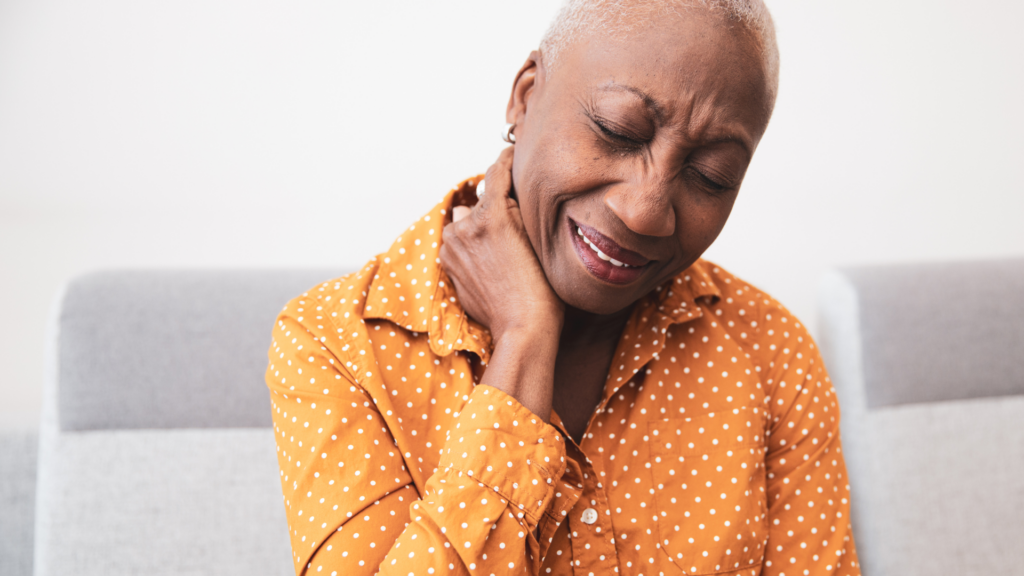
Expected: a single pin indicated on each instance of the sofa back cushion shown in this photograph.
(950, 331)
(170, 349)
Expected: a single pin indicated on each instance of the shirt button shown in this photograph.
(589, 516)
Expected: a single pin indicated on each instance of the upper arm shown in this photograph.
(808, 493)
(337, 457)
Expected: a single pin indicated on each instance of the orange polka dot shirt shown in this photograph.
(714, 450)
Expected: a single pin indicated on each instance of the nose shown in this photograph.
(645, 207)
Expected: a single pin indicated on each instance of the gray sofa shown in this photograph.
(156, 449)
(157, 454)
(928, 362)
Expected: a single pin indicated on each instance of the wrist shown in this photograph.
(523, 364)
(541, 332)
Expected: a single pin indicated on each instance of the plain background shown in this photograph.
(256, 134)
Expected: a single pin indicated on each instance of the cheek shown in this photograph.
(534, 205)
(562, 157)
(544, 172)
(700, 219)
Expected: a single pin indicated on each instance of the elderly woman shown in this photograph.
(541, 375)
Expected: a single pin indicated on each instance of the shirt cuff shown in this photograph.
(501, 444)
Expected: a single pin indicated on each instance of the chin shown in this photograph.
(594, 301)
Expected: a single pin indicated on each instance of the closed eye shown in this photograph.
(618, 138)
(708, 183)
(608, 132)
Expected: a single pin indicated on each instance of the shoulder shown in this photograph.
(751, 305)
(785, 356)
(752, 315)
(338, 300)
(329, 312)
(400, 286)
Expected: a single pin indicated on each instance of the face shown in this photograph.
(629, 157)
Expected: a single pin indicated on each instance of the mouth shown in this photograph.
(603, 258)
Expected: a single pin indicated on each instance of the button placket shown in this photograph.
(592, 537)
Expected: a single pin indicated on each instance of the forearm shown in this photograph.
(402, 533)
(475, 515)
(463, 525)
(479, 510)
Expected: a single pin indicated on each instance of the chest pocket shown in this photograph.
(709, 481)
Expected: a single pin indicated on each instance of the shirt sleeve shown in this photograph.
(809, 528)
(351, 504)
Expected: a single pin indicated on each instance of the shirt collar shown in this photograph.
(411, 290)
(677, 299)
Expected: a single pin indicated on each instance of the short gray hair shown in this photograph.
(578, 18)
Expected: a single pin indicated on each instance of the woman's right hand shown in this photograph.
(489, 257)
(500, 284)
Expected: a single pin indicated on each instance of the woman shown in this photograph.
(549, 379)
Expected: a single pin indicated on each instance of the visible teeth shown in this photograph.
(600, 254)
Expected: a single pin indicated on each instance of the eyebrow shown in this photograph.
(649, 102)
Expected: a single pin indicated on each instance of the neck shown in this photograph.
(582, 328)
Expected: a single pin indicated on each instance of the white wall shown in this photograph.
(222, 133)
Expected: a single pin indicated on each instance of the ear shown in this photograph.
(530, 76)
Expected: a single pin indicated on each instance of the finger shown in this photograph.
(461, 292)
(447, 253)
(499, 181)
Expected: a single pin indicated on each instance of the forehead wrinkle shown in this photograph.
(696, 123)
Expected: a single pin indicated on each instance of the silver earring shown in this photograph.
(507, 134)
